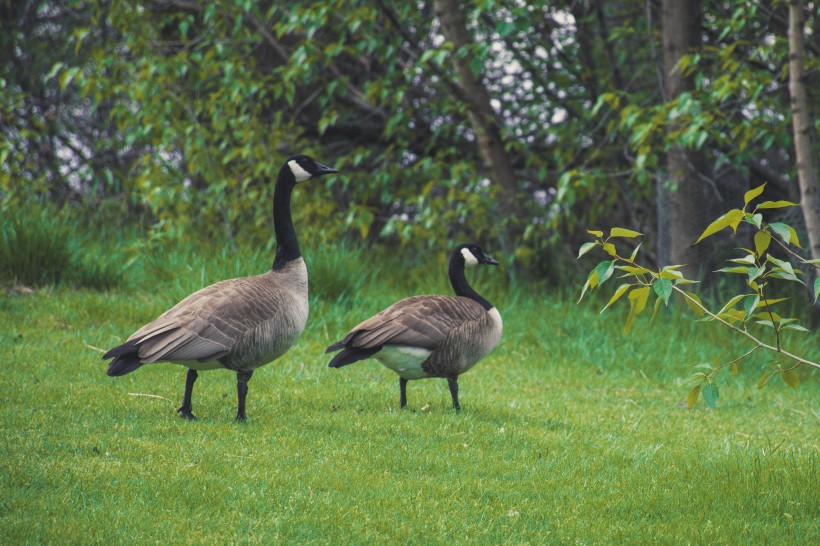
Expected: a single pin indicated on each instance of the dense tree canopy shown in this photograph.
(513, 123)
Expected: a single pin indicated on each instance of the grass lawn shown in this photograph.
(571, 432)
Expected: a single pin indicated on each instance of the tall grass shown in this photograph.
(41, 245)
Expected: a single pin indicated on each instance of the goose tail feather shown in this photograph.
(126, 359)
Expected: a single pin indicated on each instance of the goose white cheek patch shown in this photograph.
(299, 173)
(469, 259)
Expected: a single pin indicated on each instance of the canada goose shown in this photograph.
(429, 336)
(238, 324)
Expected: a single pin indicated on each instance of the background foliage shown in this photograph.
(180, 113)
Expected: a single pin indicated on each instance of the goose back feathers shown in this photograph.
(238, 324)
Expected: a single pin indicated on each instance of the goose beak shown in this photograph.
(323, 169)
(488, 260)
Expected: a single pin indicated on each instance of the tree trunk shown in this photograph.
(802, 127)
(683, 195)
(483, 119)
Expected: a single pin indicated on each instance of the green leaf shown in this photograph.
(731, 303)
(795, 327)
(669, 273)
(604, 271)
(586, 247)
(747, 259)
(785, 266)
(786, 233)
(751, 304)
(630, 317)
(737, 269)
(618, 293)
(816, 288)
(639, 296)
(694, 306)
(595, 233)
(775, 205)
(791, 378)
(609, 248)
(710, 394)
(756, 220)
(731, 218)
(751, 194)
(633, 271)
(592, 282)
(768, 302)
(692, 399)
(663, 288)
(755, 272)
(634, 253)
(655, 310)
(621, 232)
(763, 379)
(762, 240)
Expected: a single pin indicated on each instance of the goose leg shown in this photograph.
(402, 392)
(242, 378)
(453, 384)
(185, 409)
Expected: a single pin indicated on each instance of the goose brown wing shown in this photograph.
(207, 324)
(419, 321)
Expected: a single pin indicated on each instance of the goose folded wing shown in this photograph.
(206, 325)
(420, 321)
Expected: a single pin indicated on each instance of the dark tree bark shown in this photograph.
(485, 123)
(684, 194)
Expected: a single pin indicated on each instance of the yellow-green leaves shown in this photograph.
(790, 377)
(694, 302)
(586, 247)
(637, 303)
(622, 232)
(618, 293)
(744, 313)
(692, 399)
(730, 219)
(751, 194)
(762, 240)
(775, 205)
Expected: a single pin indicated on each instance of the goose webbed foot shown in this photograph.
(185, 413)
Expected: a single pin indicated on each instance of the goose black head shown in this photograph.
(304, 167)
(474, 255)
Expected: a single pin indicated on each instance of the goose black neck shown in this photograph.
(460, 284)
(287, 247)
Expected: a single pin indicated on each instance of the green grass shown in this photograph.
(570, 432)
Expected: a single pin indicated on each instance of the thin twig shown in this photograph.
(150, 396)
(746, 332)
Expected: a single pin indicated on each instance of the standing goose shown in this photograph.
(429, 336)
(238, 324)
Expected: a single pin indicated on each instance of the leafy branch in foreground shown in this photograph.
(759, 267)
